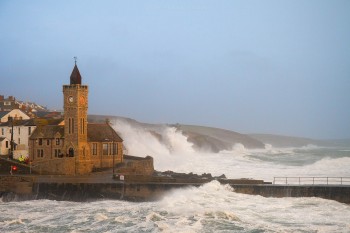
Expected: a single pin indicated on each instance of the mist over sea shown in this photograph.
(210, 208)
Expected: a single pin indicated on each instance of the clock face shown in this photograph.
(82, 100)
(70, 99)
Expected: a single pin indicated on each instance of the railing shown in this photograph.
(312, 180)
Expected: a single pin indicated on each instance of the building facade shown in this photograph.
(75, 146)
(16, 114)
(7, 104)
(4, 146)
(19, 131)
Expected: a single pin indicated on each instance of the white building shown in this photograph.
(4, 146)
(15, 113)
(22, 129)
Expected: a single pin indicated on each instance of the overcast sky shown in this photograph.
(279, 67)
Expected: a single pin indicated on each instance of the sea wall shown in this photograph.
(134, 188)
(16, 184)
(338, 193)
(90, 191)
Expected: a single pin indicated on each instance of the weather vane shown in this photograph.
(75, 60)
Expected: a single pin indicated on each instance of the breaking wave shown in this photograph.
(210, 208)
(172, 151)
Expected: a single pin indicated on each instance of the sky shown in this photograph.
(279, 67)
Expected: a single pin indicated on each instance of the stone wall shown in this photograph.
(58, 166)
(136, 166)
(28, 188)
(16, 184)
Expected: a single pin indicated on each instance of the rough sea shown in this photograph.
(210, 208)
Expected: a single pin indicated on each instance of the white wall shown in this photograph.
(20, 136)
(15, 113)
(3, 149)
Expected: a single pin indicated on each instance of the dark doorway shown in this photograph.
(71, 152)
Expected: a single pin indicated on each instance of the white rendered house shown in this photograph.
(22, 129)
(16, 114)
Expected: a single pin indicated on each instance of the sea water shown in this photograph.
(210, 208)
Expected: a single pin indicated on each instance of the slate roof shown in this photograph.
(102, 133)
(2, 139)
(3, 113)
(48, 131)
(96, 132)
(46, 114)
(75, 77)
(30, 122)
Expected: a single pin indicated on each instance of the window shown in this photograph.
(48, 142)
(57, 141)
(19, 140)
(110, 149)
(69, 126)
(115, 148)
(19, 131)
(40, 153)
(2, 131)
(81, 125)
(7, 103)
(40, 141)
(94, 148)
(72, 125)
(7, 144)
(29, 130)
(57, 152)
(105, 149)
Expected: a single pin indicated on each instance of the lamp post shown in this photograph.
(113, 152)
(11, 142)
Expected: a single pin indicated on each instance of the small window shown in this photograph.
(40, 141)
(57, 152)
(7, 144)
(19, 131)
(110, 149)
(29, 130)
(48, 142)
(115, 148)
(19, 140)
(40, 153)
(2, 131)
(105, 149)
(57, 141)
(94, 148)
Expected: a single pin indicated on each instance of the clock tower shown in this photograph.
(75, 122)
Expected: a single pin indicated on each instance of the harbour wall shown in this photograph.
(29, 188)
(340, 193)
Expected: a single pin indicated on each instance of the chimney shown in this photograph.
(1, 97)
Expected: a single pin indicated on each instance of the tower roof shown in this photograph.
(75, 77)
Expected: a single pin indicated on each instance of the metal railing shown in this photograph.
(307, 180)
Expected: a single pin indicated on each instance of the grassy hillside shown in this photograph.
(286, 141)
(215, 139)
(203, 138)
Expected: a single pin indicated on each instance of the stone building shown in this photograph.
(75, 146)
